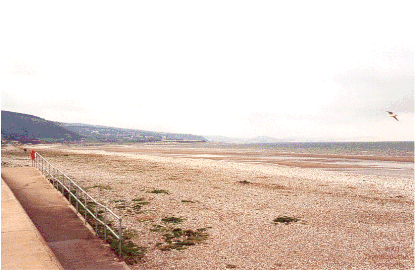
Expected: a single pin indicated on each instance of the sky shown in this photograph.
(300, 70)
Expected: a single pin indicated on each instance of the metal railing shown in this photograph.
(100, 213)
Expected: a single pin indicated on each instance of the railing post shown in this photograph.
(96, 217)
(55, 183)
(70, 193)
(76, 199)
(53, 173)
(105, 224)
(120, 236)
(63, 184)
(86, 205)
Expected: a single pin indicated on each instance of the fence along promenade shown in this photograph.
(101, 214)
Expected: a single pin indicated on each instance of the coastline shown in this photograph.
(235, 149)
(346, 219)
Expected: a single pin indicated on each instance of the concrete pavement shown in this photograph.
(72, 243)
(22, 246)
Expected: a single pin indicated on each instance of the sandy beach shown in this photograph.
(345, 213)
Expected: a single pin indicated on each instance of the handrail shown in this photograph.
(82, 198)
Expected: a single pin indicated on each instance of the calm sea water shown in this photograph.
(343, 149)
(371, 167)
(350, 148)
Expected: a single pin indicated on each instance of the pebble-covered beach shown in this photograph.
(250, 213)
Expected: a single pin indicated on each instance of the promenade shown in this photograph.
(40, 230)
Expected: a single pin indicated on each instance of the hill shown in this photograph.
(113, 134)
(28, 128)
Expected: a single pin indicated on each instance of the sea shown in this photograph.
(345, 152)
(404, 149)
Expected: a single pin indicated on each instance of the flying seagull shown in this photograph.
(391, 114)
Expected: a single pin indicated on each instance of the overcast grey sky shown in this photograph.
(327, 70)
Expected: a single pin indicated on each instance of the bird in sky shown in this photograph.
(394, 115)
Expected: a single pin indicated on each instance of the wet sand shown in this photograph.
(346, 220)
(370, 164)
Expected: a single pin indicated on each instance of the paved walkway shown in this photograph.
(72, 243)
(22, 246)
